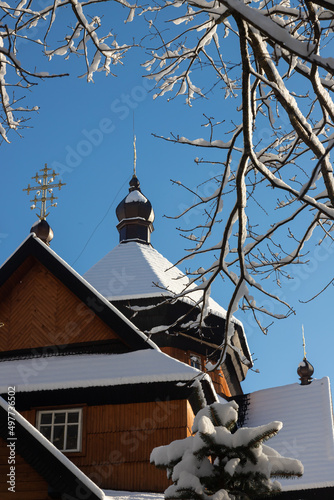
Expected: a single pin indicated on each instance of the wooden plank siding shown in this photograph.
(29, 485)
(217, 377)
(39, 311)
(118, 440)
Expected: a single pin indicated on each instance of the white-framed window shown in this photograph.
(196, 361)
(62, 427)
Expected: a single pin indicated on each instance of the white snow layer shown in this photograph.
(132, 495)
(135, 196)
(93, 370)
(55, 452)
(133, 270)
(307, 434)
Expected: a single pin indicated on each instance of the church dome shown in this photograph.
(305, 371)
(135, 204)
(135, 215)
(43, 231)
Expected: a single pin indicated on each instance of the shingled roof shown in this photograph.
(135, 270)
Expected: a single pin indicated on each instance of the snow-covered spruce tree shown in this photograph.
(217, 464)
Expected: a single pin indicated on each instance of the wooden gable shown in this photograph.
(45, 303)
(38, 310)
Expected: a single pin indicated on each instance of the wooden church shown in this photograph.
(106, 366)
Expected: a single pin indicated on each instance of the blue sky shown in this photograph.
(85, 131)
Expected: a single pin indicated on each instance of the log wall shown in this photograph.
(38, 311)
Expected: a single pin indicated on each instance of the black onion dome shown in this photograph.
(305, 371)
(135, 204)
(43, 231)
(135, 215)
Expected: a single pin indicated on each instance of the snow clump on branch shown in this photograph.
(221, 462)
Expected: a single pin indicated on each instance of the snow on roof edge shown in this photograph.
(310, 486)
(54, 451)
(270, 389)
(132, 495)
(92, 289)
(175, 371)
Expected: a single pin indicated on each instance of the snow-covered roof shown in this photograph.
(19, 419)
(132, 495)
(307, 434)
(135, 270)
(93, 370)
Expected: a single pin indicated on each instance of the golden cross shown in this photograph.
(44, 191)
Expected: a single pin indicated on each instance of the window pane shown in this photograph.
(46, 431)
(46, 418)
(61, 428)
(72, 437)
(59, 418)
(195, 361)
(58, 436)
(73, 417)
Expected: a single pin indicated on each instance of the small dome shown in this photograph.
(135, 215)
(135, 204)
(43, 231)
(305, 371)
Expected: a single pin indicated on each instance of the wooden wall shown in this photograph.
(217, 377)
(118, 440)
(38, 310)
(29, 484)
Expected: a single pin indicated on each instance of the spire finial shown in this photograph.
(305, 369)
(44, 191)
(134, 156)
(134, 147)
(304, 345)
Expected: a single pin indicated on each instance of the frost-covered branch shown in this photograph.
(284, 70)
(269, 68)
(84, 37)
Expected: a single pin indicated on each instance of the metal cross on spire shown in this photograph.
(44, 191)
